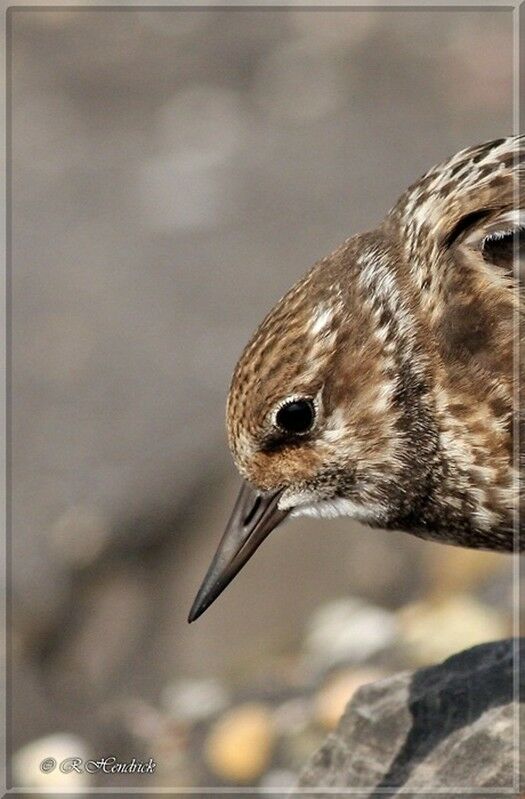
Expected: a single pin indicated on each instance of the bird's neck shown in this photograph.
(463, 487)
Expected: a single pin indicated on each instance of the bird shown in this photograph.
(384, 385)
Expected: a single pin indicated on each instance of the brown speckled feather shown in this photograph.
(384, 386)
(404, 337)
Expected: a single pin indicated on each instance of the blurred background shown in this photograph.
(173, 173)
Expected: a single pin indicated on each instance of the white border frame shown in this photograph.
(512, 7)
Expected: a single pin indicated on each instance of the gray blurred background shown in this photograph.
(173, 173)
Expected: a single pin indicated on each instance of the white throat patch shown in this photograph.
(331, 508)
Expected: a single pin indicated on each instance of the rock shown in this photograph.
(239, 746)
(295, 749)
(337, 691)
(448, 727)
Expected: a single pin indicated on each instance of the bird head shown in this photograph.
(337, 405)
(310, 411)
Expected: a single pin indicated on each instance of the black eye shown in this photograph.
(502, 247)
(296, 417)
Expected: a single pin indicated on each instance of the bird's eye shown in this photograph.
(296, 417)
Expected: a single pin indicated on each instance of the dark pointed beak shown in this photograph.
(254, 517)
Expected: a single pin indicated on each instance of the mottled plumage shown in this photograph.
(403, 341)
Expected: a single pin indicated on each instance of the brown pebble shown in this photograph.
(239, 745)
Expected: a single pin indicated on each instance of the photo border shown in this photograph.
(516, 9)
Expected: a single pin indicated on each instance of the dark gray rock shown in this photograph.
(451, 726)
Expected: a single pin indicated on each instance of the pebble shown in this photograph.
(337, 691)
(192, 700)
(292, 716)
(239, 746)
(348, 631)
(37, 764)
(434, 630)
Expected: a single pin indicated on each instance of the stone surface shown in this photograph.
(449, 726)
(335, 693)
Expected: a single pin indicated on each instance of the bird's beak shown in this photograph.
(254, 517)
